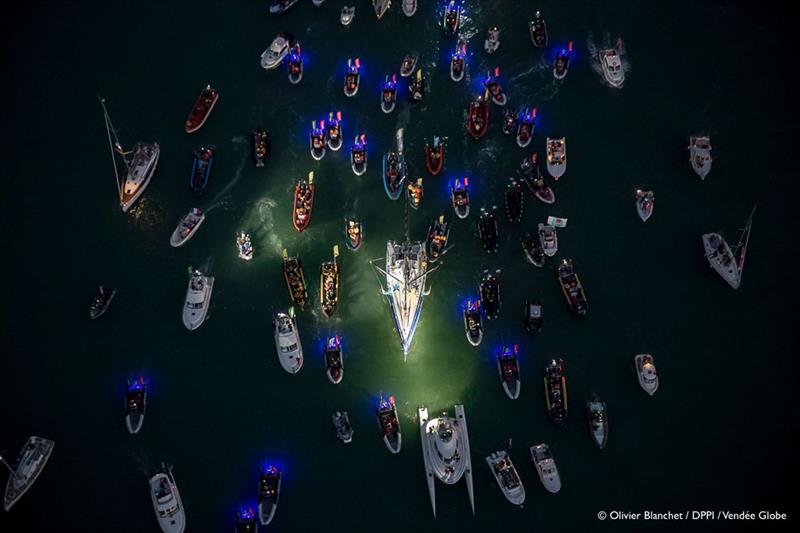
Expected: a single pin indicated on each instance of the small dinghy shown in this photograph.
(546, 467)
(508, 369)
(514, 201)
(344, 430)
(354, 233)
(598, 421)
(279, 6)
(408, 65)
(394, 169)
(352, 78)
(295, 65)
(533, 249)
(303, 203)
(329, 284)
(533, 316)
(506, 476)
(409, 7)
(556, 156)
(548, 239)
(260, 146)
(434, 156)
(572, 288)
(510, 121)
(135, 404)
(414, 193)
(101, 301)
(495, 89)
(438, 233)
(538, 30)
(490, 293)
(287, 341)
(334, 131)
(317, 140)
(201, 109)
(646, 372)
(386, 411)
(459, 197)
(478, 116)
(645, 202)
(492, 41)
(525, 127)
(451, 17)
(561, 64)
(416, 89)
(201, 170)
(473, 322)
(700, 155)
(334, 363)
(555, 392)
(458, 60)
(198, 297)
(487, 230)
(347, 15)
(358, 155)
(295, 280)
(389, 94)
(269, 493)
(244, 246)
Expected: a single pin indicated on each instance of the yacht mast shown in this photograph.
(743, 240)
(3, 460)
(112, 145)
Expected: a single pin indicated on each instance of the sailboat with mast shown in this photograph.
(728, 263)
(139, 163)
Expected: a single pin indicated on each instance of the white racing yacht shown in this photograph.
(198, 296)
(31, 462)
(728, 263)
(167, 501)
(187, 227)
(506, 476)
(700, 155)
(287, 341)
(445, 451)
(546, 467)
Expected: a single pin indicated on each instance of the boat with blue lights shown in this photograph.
(414, 193)
(561, 65)
(490, 293)
(279, 6)
(458, 60)
(167, 502)
(487, 229)
(201, 170)
(287, 341)
(329, 284)
(492, 85)
(394, 169)
(260, 146)
(451, 17)
(459, 197)
(352, 78)
(295, 65)
(201, 109)
(572, 288)
(597, 416)
(334, 362)
(507, 477)
(303, 204)
(135, 404)
(526, 125)
(416, 89)
(354, 231)
(434, 155)
(514, 201)
(508, 369)
(244, 246)
(438, 233)
(334, 132)
(295, 280)
(386, 411)
(358, 155)
(317, 139)
(31, 461)
(473, 322)
(538, 30)
(445, 451)
(408, 65)
(198, 298)
(556, 156)
(246, 521)
(269, 493)
(344, 430)
(389, 94)
(534, 316)
(492, 41)
(533, 249)
(101, 301)
(555, 392)
(478, 116)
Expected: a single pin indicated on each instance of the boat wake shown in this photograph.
(605, 43)
(220, 198)
(266, 224)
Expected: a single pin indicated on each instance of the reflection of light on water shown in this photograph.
(266, 225)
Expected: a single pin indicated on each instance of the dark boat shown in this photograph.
(451, 18)
(458, 60)
(260, 146)
(352, 78)
(572, 288)
(598, 420)
(101, 301)
(510, 121)
(496, 92)
(473, 322)
(533, 316)
(487, 230)
(269, 493)
(533, 249)
(344, 430)
(317, 141)
(414, 193)
(135, 404)
(303, 203)
(508, 369)
(490, 293)
(334, 364)
(532, 176)
(394, 169)
(295, 280)
(555, 392)
(525, 127)
(434, 156)
(201, 109)
(358, 155)
(295, 65)
(438, 233)
(408, 65)
(279, 6)
(561, 65)
(354, 232)
(329, 284)
(538, 30)
(334, 131)
(416, 89)
(201, 170)
(389, 94)
(459, 196)
(478, 116)
(389, 424)
(514, 201)
(245, 521)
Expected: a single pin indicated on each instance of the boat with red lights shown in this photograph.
(318, 139)
(492, 85)
(389, 94)
(329, 284)
(458, 60)
(556, 156)
(561, 64)
(490, 293)
(538, 30)
(386, 411)
(352, 78)
(408, 65)
(303, 203)
(478, 116)
(572, 288)
(473, 322)
(201, 170)
(269, 493)
(334, 131)
(438, 233)
(459, 197)
(532, 176)
(295, 65)
(434, 156)
(260, 146)
(358, 155)
(135, 404)
(525, 127)
(246, 521)
(295, 280)
(451, 17)
(334, 363)
(555, 392)
(394, 169)
(201, 109)
(645, 202)
(514, 201)
(508, 369)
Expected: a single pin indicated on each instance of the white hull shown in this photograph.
(646, 373)
(546, 468)
(406, 271)
(287, 343)
(723, 262)
(613, 70)
(32, 460)
(137, 179)
(177, 240)
(167, 503)
(550, 248)
(512, 391)
(700, 155)
(409, 7)
(134, 425)
(511, 485)
(195, 307)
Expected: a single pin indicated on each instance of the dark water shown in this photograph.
(715, 436)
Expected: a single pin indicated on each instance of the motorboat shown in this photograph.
(334, 131)
(201, 170)
(597, 415)
(546, 467)
(533, 178)
(277, 51)
(354, 232)
(381, 6)
(317, 140)
(445, 451)
(358, 155)
(728, 263)
(487, 230)
(611, 64)
(572, 288)
(510, 121)
(352, 78)
(555, 392)
(548, 239)
(561, 64)
(344, 430)
(506, 476)
(279, 6)
(329, 284)
(386, 412)
(269, 493)
(295, 280)
(414, 193)
(700, 155)
(31, 461)
(458, 60)
(532, 247)
(287, 341)
(101, 301)
(459, 197)
(416, 89)
(318, 3)
(645, 202)
(295, 65)
(490, 294)
(434, 156)
(246, 521)
(451, 17)
(334, 362)
(408, 65)
(508, 369)
(534, 316)
(492, 42)
(514, 201)
(556, 156)
(135, 404)
(526, 124)
(409, 7)
(303, 204)
(198, 297)
(394, 169)
(389, 94)
(473, 322)
(244, 246)
(260, 146)
(167, 502)
(492, 85)
(438, 233)
(187, 227)
(347, 15)
(646, 372)
(478, 116)
(202, 108)
(538, 29)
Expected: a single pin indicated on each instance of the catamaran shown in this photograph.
(31, 462)
(728, 263)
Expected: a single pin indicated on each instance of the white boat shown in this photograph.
(445, 451)
(646, 372)
(277, 51)
(556, 156)
(700, 155)
(381, 6)
(244, 246)
(347, 15)
(613, 71)
(728, 263)
(187, 227)
(549, 239)
(506, 476)
(409, 7)
(492, 41)
(167, 501)
(645, 202)
(198, 296)
(32, 460)
(318, 2)
(287, 342)
(546, 467)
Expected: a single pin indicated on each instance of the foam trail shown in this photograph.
(219, 198)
